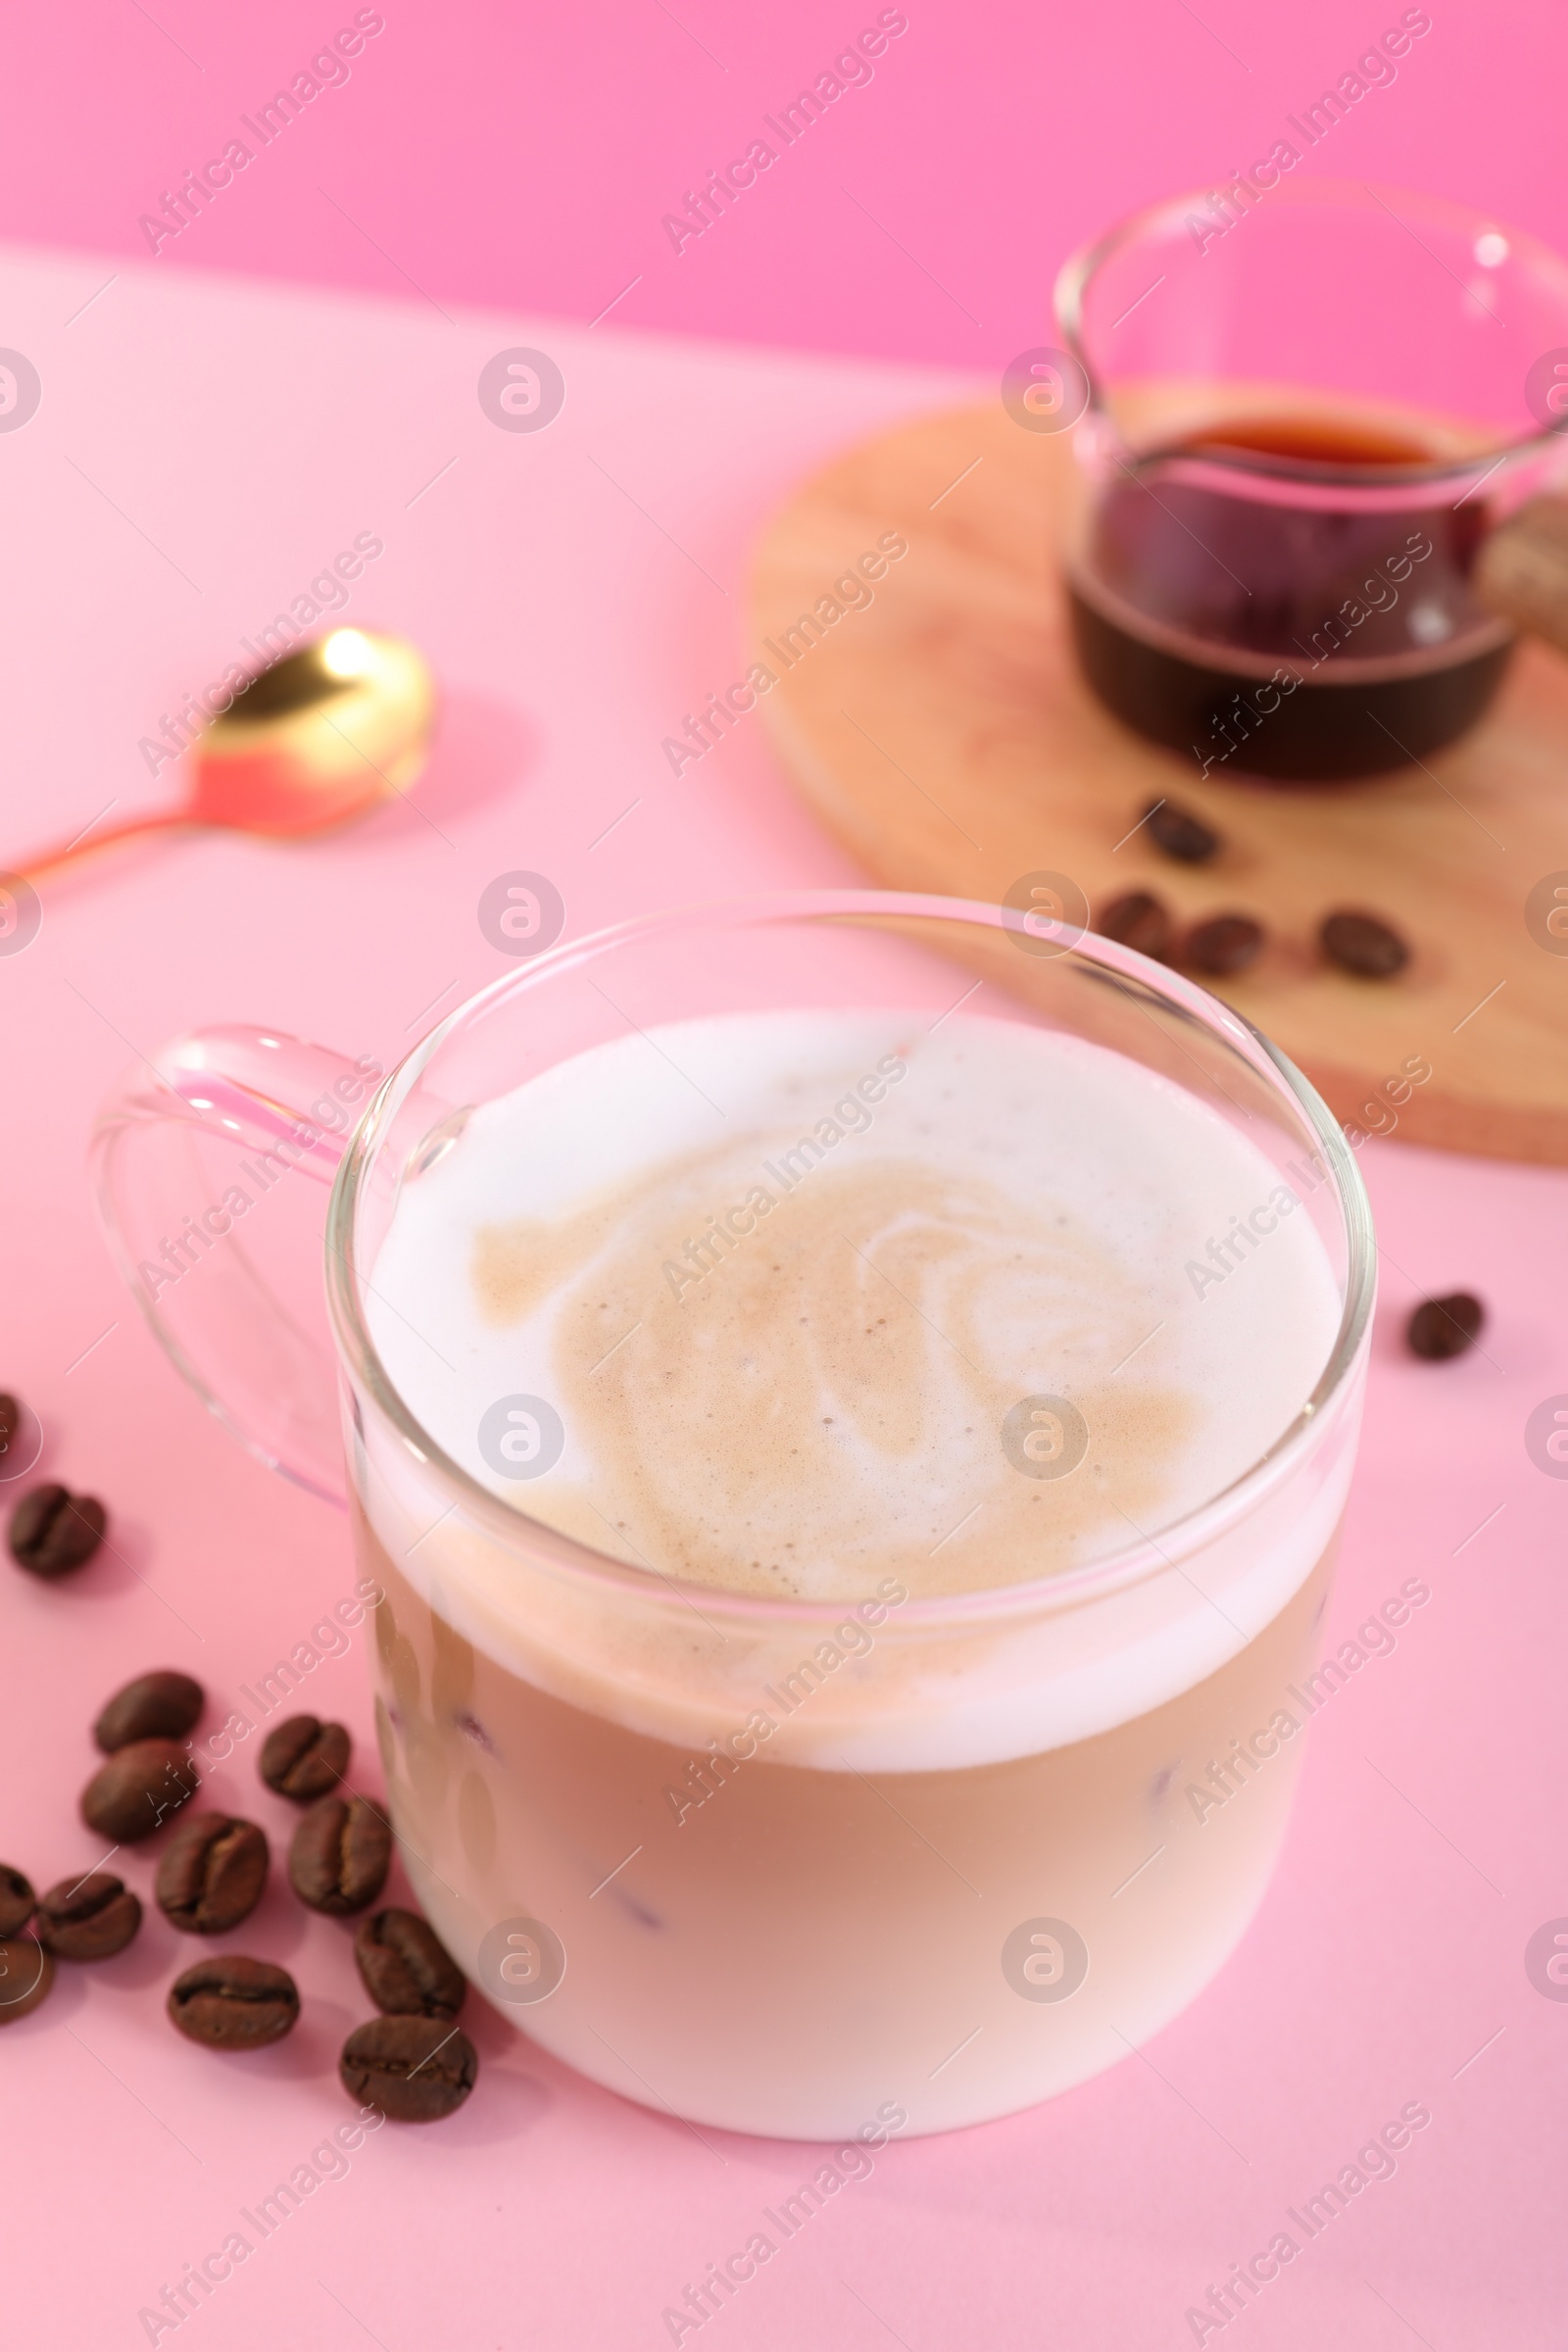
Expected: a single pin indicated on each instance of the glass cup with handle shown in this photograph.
(867, 1853)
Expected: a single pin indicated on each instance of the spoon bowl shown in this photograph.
(325, 734)
(322, 735)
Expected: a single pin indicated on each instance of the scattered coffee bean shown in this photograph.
(18, 1902)
(1138, 920)
(212, 1873)
(1363, 944)
(53, 1532)
(305, 1760)
(163, 1705)
(341, 1853)
(414, 2069)
(1226, 942)
(407, 1969)
(88, 1919)
(138, 1789)
(1444, 1327)
(231, 2003)
(1179, 833)
(26, 1973)
(10, 1422)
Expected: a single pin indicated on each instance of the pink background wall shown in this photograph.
(524, 156)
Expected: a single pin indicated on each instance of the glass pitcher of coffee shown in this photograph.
(1302, 406)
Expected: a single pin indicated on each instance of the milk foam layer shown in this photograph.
(783, 1277)
(481, 1291)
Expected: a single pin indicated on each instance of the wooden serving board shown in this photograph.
(945, 736)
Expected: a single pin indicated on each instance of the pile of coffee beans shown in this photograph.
(412, 2061)
(1227, 943)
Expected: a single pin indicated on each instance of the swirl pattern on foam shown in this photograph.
(825, 1406)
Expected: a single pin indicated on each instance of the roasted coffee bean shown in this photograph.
(10, 1422)
(1445, 1327)
(88, 1919)
(1226, 942)
(305, 1760)
(26, 1973)
(231, 2003)
(138, 1789)
(1363, 944)
(341, 1853)
(212, 1873)
(18, 1902)
(1138, 920)
(1179, 833)
(414, 2069)
(162, 1706)
(407, 1969)
(52, 1532)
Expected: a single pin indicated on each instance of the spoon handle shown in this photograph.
(66, 853)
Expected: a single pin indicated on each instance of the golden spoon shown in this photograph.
(315, 738)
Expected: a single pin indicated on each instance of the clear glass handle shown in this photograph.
(198, 1162)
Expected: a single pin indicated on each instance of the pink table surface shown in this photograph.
(203, 450)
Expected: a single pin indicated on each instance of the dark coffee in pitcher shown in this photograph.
(1288, 596)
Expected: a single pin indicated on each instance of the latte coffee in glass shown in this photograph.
(924, 1737)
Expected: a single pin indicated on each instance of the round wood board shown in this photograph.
(944, 735)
